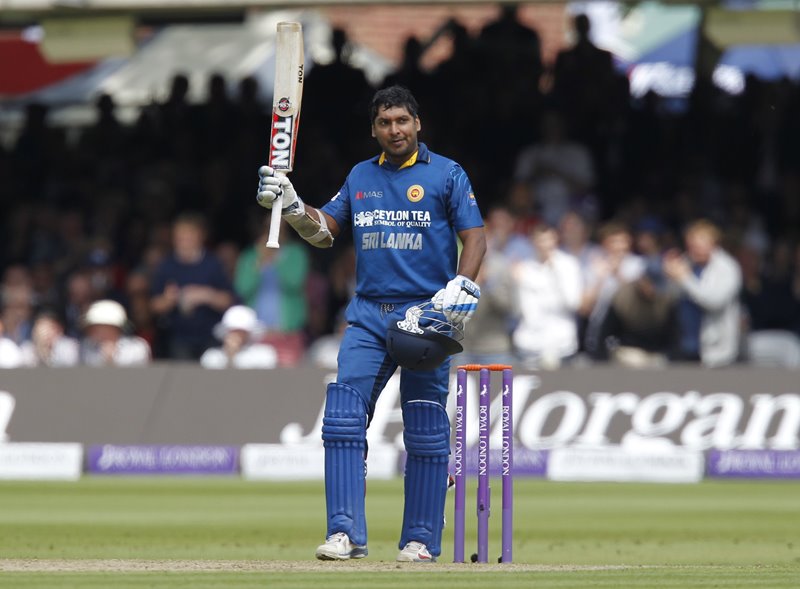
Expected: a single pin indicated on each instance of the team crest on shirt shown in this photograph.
(415, 193)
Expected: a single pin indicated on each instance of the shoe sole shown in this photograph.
(356, 553)
(412, 559)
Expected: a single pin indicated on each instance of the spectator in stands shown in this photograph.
(175, 123)
(510, 62)
(252, 116)
(105, 342)
(16, 225)
(583, 81)
(771, 305)
(640, 329)
(502, 236)
(216, 118)
(227, 252)
(10, 354)
(613, 266)
(44, 283)
(574, 236)
(453, 82)
(137, 301)
(649, 235)
(549, 287)
(49, 346)
(410, 73)
(709, 280)
(322, 94)
(189, 291)
(17, 303)
(512, 44)
(72, 241)
(523, 210)
(78, 295)
(239, 331)
(101, 266)
(273, 283)
(770, 298)
(556, 173)
(106, 137)
(40, 146)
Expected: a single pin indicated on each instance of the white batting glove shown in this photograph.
(458, 299)
(272, 187)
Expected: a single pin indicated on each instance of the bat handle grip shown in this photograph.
(275, 222)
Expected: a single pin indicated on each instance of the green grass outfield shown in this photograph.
(200, 532)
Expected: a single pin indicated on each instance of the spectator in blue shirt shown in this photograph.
(190, 291)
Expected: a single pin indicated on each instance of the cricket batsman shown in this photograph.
(406, 208)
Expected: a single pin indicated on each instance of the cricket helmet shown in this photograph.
(424, 339)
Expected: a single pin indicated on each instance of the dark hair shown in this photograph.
(612, 228)
(50, 312)
(393, 96)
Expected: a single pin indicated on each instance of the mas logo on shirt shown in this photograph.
(415, 193)
(362, 194)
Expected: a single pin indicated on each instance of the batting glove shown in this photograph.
(272, 187)
(458, 299)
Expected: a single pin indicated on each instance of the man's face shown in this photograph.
(396, 132)
(699, 246)
(617, 245)
(545, 241)
(235, 340)
(187, 239)
(104, 333)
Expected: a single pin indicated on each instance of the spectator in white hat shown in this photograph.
(105, 342)
(239, 331)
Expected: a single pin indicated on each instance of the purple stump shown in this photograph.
(460, 466)
(508, 465)
(484, 492)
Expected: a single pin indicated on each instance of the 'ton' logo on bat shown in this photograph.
(283, 129)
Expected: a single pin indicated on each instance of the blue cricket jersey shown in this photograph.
(404, 222)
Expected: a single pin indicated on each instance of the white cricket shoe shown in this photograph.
(415, 552)
(339, 547)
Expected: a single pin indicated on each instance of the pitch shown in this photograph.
(201, 532)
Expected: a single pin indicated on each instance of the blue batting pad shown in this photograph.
(344, 435)
(427, 441)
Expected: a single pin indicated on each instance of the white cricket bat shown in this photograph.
(286, 99)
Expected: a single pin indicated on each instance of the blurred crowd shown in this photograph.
(633, 231)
